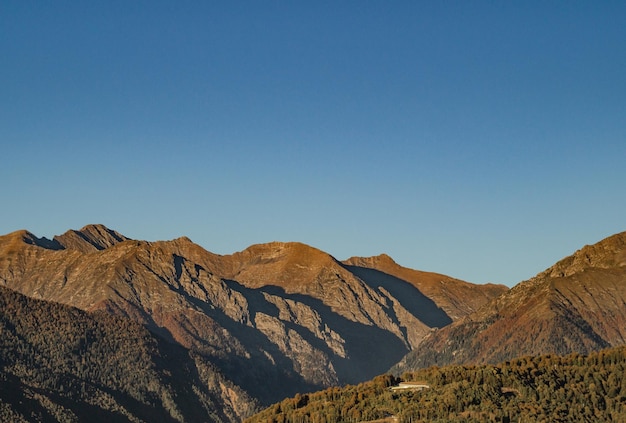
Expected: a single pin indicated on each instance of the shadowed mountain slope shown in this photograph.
(577, 305)
(455, 297)
(276, 318)
(58, 363)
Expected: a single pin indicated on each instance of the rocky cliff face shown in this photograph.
(276, 318)
(577, 305)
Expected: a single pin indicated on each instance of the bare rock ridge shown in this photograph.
(23, 236)
(576, 305)
(607, 254)
(279, 315)
(90, 238)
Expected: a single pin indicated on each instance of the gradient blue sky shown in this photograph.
(483, 140)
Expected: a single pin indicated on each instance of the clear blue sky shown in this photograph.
(483, 140)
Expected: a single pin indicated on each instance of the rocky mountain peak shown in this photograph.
(610, 252)
(20, 236)
(287, 264)
(90, 238)
(15, 239)
(380, 261)
(290, 251)
(184, 240)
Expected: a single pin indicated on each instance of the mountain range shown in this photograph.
(95, 323)
(272, 320)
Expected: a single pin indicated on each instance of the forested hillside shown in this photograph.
(58, 363)
(572, 388)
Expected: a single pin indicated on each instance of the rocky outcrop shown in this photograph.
(90, 238)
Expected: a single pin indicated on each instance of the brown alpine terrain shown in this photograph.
(577, 305)
(455, 297)
(275, 319)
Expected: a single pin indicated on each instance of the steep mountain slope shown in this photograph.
(455, 297)
(58, 363)
(577, 305)
(279, 315)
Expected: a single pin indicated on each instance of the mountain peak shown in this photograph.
(23, 236)
(609, 252)
(282, 263)
(289, 251)
(90, 238)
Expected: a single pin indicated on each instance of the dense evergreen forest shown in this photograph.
(572, 388)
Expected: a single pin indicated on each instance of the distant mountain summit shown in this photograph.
(576, 305)
(275, 319)
(90, 238)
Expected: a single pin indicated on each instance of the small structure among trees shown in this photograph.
(410, 386)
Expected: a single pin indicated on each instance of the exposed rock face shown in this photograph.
(90, 238)
(277, 318)
(577, 305)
